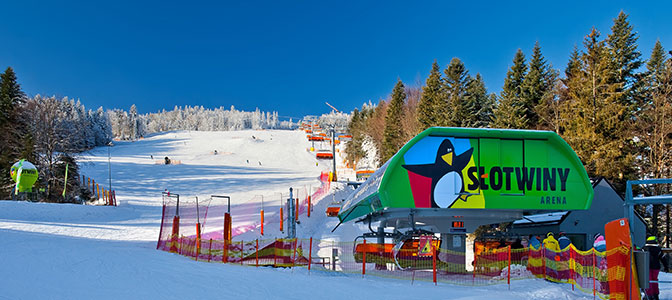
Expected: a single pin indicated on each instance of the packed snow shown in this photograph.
(67, 251)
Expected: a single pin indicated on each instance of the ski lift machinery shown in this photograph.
(446, 182)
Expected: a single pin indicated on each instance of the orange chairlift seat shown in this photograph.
(324, 155)
(333, 209)
(363, 174)
(407, 253)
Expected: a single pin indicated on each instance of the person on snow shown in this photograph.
(563, 241)
(600, 244)
(551, 243)
(655, 263)
(533, 241)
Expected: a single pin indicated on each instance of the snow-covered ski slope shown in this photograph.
(64, 251)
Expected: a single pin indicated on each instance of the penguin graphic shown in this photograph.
(446, 174)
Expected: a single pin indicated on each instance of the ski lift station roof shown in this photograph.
(450, 171)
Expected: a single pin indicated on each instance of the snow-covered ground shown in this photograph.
(64, 251)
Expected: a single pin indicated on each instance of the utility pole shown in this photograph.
(109, 166)
(291, 217)
(333, 152)
(312, 136)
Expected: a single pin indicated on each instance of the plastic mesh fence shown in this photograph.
(586, 270)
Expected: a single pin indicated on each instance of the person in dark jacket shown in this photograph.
(563, 241)
(655, 263)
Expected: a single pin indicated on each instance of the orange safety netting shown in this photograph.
(585, 270)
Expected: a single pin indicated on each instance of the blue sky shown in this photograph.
(288, 56)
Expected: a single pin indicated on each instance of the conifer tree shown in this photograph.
(456, 81)
(656, 64)
(10, 95)
(626, 58)
(654, 125)
(133, 123)
(574, 64)
(353, 149)
(479, 104)
(593, 120)
(14, 140)
(537, 84)
(432, 107)
(511, 112)
(392, 136)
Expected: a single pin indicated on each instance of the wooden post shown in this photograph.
(262, 221)
(364, 259)
(309, 206)
(434, 263)
(310, 253)
(256, 251)
(296, 208)
(508, 276)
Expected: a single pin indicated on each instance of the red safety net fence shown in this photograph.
(585, 270)
(205, 218)
(197, 229)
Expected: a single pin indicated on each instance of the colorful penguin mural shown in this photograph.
(445, 173)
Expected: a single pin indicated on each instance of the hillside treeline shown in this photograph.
(131, 125)
(611, 105)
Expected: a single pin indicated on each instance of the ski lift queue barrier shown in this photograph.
(586, 271)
